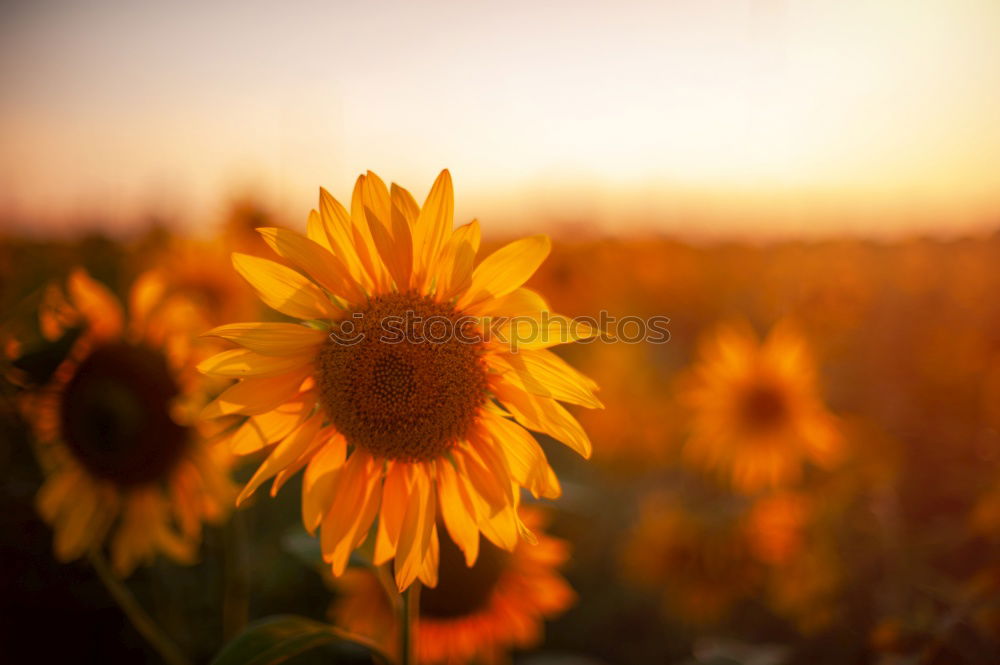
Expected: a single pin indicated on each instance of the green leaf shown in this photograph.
(278, 638)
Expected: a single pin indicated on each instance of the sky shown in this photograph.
(700, 117)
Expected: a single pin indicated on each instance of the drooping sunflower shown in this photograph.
(408, 389)
(475, 614)
(126, 462)
(756, 414)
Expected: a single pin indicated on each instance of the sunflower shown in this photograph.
(409, 387)
(700, 556)
(201, 273)
(475, 614)
(124, 459)
(756, 413)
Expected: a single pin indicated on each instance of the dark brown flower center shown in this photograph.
(115, 415)
(402, 377)
(462, 590)
(763, 408)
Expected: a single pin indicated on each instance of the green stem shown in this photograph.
(136, 615)
(410, 607)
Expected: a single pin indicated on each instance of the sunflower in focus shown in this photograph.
(756, 415)
(475, 614)
(408, 386)
(124, 459)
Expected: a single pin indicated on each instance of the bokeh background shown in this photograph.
(835, 165)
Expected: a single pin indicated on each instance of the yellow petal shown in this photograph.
(351, 497)
(253, 396)
(506, 269)
(487, 482)
(283, 289)
(361, 237)
(525, 457)
(458, 511)
(238, 363)
(263, 430)
(519, 302)
(433, 226)
(545, 374)
(428, 573)
(146, 292)
(283, 454)
(340, 233)
(418, 524)
(537, 332)
(271, 339)
(544, 415)
(315, 260)
(454, 272)
(394, 244)
(315, 230)
(53, 494)
(98, 306)
(73, 533)
(319, 480)
(395, 496)
(502, 529)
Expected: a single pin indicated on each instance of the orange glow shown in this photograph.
(751, 117)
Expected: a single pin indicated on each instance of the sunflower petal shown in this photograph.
(315, 260)
(543, 414)
(428, 573)
(433, 226)
(418, 524)
(519, 302)
(538, 332)
(458, 511)
(284, 454)
(96, 303)
(454, 272)
(395, 495)
(253, 396)
(320, 479)
(394, 244)
(261, 431)
(283, 289)
(506, 269)
(237, 363)
(545, 374)
(340, 234)
(361, 236)
(354, 491)
(271, 339)
(525, 457)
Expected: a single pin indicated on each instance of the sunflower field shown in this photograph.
(389, 435)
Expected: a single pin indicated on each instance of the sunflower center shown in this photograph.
(402, 377)
(462, 590)
(763, 407)
(115, 415)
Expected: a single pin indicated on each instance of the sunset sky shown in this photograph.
(694, 116)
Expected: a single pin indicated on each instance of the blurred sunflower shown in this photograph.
(475, 614)
(700, 556)
(756, 415)
(203, 274)
(117, 440)
(399, 396)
